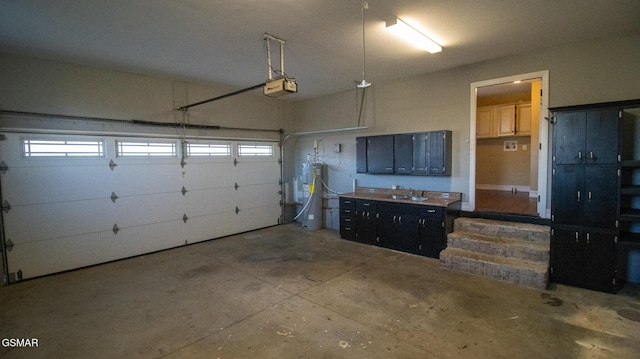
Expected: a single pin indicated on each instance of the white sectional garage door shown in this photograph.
(74, 201)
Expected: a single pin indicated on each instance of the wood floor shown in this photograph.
(505, 202)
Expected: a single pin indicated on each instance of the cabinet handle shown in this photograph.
(587, 238)
(577, 241)
(578, 196)
(366, 204)
(431, 211)
(589, 195)
(394, 219)
(368, 213)
(400, 219)
(591, 154)
(580, 155)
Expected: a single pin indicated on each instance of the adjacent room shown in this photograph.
(345, 179)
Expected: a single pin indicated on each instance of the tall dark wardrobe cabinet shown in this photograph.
(586, 200)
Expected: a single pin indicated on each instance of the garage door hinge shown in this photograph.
(185, 218)
(237, 210)
(114, 196)
(182, 163)
(236, 186)
(184, 190)
(280, 161)
(3, 167)
(112, 164)
(6, 207)
(235, 161)
(115, 229)
(9, 245)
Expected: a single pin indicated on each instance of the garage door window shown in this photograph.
(62, 148)
(208, 150)
(146, 149)
(255, 150)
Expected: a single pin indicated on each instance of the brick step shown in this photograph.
(500, 229)
(537, 251)
(510, 270)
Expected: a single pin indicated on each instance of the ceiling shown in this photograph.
(221, 42)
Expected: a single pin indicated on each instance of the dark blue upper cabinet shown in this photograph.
(422, 153)
(403, 154)
(380, 154)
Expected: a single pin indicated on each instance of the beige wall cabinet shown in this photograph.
(503, 120)
(484, 122)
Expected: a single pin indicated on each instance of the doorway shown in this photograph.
(509, 145)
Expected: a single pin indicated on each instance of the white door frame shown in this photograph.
(543, 157)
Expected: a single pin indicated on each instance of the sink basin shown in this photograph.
(398, 196)
(418, 199)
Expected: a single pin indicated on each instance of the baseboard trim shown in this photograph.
(503, 187)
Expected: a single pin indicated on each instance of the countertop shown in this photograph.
(440, 199)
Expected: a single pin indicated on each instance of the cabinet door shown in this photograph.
(506, 116)
(366, 226)
(403, 153)
(567, 194)
(380, 154)
(386, 230)
(600, 196)
(420, 153)
(567, 257)
(523, 120)
(602, 137)
(484, 122)
(361, 154)
(439, 153)
(432, 237)
(407, 234)
(569, 133)
(599, 261)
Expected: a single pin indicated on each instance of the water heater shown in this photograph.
(312, 195)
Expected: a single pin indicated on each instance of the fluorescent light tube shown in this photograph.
(410, 34)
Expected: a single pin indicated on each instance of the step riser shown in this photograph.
(499, 249)
(525, 233)
(503, 272)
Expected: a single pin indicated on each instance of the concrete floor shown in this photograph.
(284, 292)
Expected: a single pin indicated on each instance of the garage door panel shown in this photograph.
(146, 179)
(64, 216)
(212, 175)
(149, 238)
(254, 218)
(209, 227)
(213, 201)
(137, 210)
(24, 224)
(258, 196)
(258, 172)
(35, 259)
(31, 185)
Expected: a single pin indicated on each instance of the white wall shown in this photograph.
(598, 71)
(43, 86)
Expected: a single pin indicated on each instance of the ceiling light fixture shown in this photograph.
(364, 83)
(412, 35)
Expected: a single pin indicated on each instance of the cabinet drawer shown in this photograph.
(348, 232)
(347, 221)
(388, 207)
(366, 205)
(348, 212)
(432, 212)
(347, 202)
